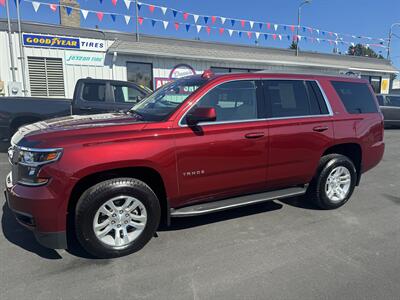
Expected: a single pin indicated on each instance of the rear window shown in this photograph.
(356, 97)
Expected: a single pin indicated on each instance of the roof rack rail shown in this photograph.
(345, 74)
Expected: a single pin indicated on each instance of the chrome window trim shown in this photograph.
(328, 105)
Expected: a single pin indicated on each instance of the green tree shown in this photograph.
(361, 50)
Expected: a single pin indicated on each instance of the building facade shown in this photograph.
(55, 57)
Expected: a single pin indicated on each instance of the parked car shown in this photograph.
(390, 107)
(198, 145)
(91, 96)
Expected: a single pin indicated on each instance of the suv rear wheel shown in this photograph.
(334, 183)
(116, 217)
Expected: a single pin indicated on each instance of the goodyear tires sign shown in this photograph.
(59, 42)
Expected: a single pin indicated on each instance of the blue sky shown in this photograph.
(355, 17)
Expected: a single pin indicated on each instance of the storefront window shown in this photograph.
(375, 82)
(140, 73)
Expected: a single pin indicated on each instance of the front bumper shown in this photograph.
(39, 213)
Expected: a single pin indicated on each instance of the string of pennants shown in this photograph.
(220, 25)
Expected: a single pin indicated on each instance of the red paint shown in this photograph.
(232, 158)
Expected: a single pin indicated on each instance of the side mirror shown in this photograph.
(201, 114)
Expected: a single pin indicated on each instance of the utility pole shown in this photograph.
(298, 23)
(390, 38)
(21, 50)
(137, 20)
(10, 43)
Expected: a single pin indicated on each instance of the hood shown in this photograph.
(69, 123)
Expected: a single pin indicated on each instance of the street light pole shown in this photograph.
(10, 43)
(298, 23)
(137, 20)
(21, 50)
(390, 38)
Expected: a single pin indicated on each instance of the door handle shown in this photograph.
(254, 135)
(320, 128)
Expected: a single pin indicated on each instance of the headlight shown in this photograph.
(37, 157)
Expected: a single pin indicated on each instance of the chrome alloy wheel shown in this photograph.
(338, 184)
(119, 221)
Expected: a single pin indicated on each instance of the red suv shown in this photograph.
(198, 145)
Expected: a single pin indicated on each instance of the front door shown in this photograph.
(226, 157)
(300, 127)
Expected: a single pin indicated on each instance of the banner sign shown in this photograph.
(84, 58)
(59, 42)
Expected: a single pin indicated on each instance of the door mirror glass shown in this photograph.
(201, 114)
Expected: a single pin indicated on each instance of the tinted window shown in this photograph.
(380, 100)
(94, 92)
(356, 97)
(233, 101)
(393, 101)
(125, 94)
(290, 98)
(315, 95)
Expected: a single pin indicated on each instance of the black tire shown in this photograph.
(97, 195)
(317, 189)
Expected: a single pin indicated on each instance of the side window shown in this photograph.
(126, 94)
(233, 101)
(315, 95)
(393, 101)
(380, 100)
(290, 98)
(356, 97)
(94, 92)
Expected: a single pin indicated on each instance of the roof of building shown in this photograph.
(125, 43)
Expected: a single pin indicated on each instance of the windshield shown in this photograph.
(164, 101)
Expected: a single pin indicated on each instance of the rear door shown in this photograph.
(300, 127)
(226, 157)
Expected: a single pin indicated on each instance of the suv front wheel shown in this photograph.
(334, 183)
(116, 217)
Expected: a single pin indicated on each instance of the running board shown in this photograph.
(210, 207)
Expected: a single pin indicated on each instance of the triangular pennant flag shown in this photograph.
(53, 7)
(299, 37)
(230, 31)
(251, 24)
(127, 3)
(114, 2)
(140, 20)
(205, 19)
(260, 25)
(139, 6)
(127, 19)
(318, 40)
(240, 33)
(198, 27)
(257, 35)
(185, 16)
(68, 10)
(265, 36)
(292, 28)
(113, 17)
(195, 18)
(274, 36)
(280, 37)
(288, 37)
(153, 23)
(284, 27)
(163, 9)
(165, 23)
(176, 25)
(221, 31)
(249, 34)
(276, 27)
(213, 19)
(101, 1)
(269, 25)
(208, 28)
(223, 19)
(233, 22)
(187, 27)
(310, 29)
(174, 12)
(36, 5)
(100, 15)
(3, 3)
(304, 29)
(243, 23)
(151, 8)
(317, 30)
(84, 13)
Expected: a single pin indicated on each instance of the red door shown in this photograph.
(226, 157)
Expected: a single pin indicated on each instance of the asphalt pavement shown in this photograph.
(277, 250)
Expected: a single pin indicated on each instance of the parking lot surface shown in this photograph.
(276, 250)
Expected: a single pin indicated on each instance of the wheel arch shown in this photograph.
(351, 150)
